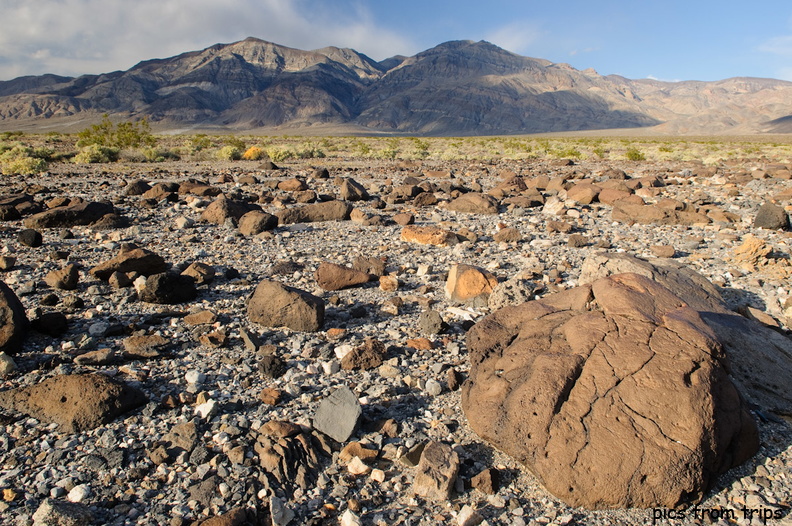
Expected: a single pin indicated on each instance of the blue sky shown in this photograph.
(669, 40)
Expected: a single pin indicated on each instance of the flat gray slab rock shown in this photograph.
(338, 414)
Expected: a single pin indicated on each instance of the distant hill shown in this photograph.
(456, 88)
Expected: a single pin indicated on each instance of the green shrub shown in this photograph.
(119, 136)
(95, 153)
(236, 142)
(309, 151)
(229, 153)
(21, 159)
(278, 154)
(200, 142)
(634, 154)
(158, 155)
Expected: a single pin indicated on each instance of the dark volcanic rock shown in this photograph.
(31, 238)
(593, 396)
(256, 222)
(76, 402)
(771, 217)
(67, 216)
(168, 288)
(13, 321)
(223, 208)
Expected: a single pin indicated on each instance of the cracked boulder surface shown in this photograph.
(759, 358)
(614, 394)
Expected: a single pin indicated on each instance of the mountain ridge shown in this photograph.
(455, 88)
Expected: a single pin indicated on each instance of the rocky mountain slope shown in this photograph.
(456, 88)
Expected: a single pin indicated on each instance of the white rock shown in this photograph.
(7, 364)
(207, 409)
(350, 519)
(469, 517)
(331, 367)
(433, 387)
(194, 377)
(358, 467)
(79, 493)
(343, 350)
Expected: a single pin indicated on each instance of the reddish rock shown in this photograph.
(275, 305)
(76, 403)
(624, 382)
(330, 276)
(369, 355)
(428, 235)
(467, 283)
(131, 259)
(65, 278)
(256, 222)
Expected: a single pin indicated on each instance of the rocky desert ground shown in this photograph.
(352, 341)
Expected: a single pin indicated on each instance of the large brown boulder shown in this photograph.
(316, 212)
(760, 358)
(626, 212)
(614, 394)
(76, 403)
(83, 213)
(13, 321)
(223, 208)
(131, 259)
(474, 203)
(276, 305)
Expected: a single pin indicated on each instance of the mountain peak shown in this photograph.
(460, 87)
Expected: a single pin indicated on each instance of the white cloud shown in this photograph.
(73, 37)
(517, 37)
(778, 45)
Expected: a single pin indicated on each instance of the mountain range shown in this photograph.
(455, 88)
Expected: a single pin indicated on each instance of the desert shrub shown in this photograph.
(254, 153)
(309, 151)
(421, 148)
(21, 159)
(119, 136)
(158, 155)
(229, 153)
(278, 154)
(634, 154)
(200, 142)
(95, 153)
(388, 153)
(600, 152)
(364, 149)
(568, 152)
(236, 142)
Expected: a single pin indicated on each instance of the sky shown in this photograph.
(669, 40)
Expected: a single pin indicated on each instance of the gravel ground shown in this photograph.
(121, 483)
